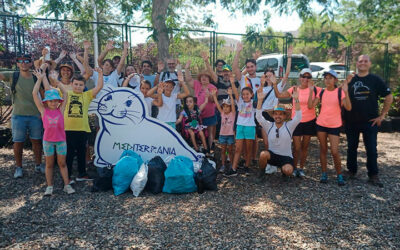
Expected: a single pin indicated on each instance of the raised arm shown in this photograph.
(235, 64)
(186, 91)
(261, 120)
(61, 56)
(72, 55)
(188, 74)
(35, 91)
(88, 69)
(127, 79)
(288, 65)
(103, 54)
(278, 94)
(121, 63)
(214, 95)
(312, 102)
(65, 95)
(204, 104)
(206, 60)
(295, 96)
(158, 97)
(233, 86)
(100, 82)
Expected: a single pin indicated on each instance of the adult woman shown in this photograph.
(303, 132)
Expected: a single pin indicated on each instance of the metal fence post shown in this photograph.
(386, 63)
(19, 34)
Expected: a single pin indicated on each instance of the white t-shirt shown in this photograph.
(246, 80)
(283, 144)
(173, 76)
(149, 102)
(134, 82)
(245, 113)
(167, 112)
(271, 100)
(111, 79)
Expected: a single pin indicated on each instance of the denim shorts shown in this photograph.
(59, 147)
(226, 139)
(23, 124)
(245, 132)
(210, 121)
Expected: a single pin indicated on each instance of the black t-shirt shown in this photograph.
(364, 94)
(223, 87)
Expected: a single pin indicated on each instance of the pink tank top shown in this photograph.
(53, 124)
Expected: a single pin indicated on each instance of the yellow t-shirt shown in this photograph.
(76, 111)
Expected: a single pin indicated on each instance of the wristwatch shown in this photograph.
(296, 100)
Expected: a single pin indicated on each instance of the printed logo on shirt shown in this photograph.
(361, 92)
(226, 122)
(53, 121)
(246, 110)
(75, 108)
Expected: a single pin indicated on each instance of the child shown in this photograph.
(329, 120)
(51, 109)
(226, 136)
(77, 122)
(192, 123)
(245, 129)
(145, 86)
(167, 112)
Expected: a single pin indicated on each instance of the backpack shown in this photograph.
(285, 124)
(166, 76)
(15, 80)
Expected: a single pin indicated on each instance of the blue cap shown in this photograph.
(278, 108)
(331, 72)
(52, 94)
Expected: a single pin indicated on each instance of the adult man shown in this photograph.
(218, 67)
(365, 89)
(147, 72)
(279, 134)
(25, 117)
(170, 74)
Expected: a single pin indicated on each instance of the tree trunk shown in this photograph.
(5, 25)
(158, 17)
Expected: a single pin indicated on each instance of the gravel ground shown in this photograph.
(282, 213)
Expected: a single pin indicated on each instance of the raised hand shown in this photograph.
(290, 51)
(260, 94)
(99, 70)
(126, 45)
(130, 76)
(256, 54)
(72, 55)
(272, 78)
(311, 85)
(180, 77)
(188, 62)
(39, 74)
(53, 75)
(263, 79)
(231, 78)
(230, 91)
(110, 45)
(45, 51)
(160, 66)
(239, 47)
(295, 93)
(86, 44)
(62, 54)
(44, 66)
(204, 55)
(345, 86)
(160, 88)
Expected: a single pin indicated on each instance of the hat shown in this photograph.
(280, 107)
(52, 94)
(204, 73)
(66, 65)
(226, 67)
(170, 80)
(226, 101)
(331, 72)
(22, 55)
(305, 70)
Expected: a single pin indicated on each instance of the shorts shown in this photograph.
(172, 124)
(226, 139)
(245, 132)
(305, 128)
(59, 147)
(279, 160)
(210, 121)
(329, 131)
(22, 124)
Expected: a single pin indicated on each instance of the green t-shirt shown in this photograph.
(23, 103)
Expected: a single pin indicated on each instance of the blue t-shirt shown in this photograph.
(150, 78)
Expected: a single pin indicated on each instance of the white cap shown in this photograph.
(305, 70)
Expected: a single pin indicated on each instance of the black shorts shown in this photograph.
(279, 160)
(329, 131)
(305, 128)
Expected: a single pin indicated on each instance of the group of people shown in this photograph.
(238, 105)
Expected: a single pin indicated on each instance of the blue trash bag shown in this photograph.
(179, 176)
(132, 154)
(124, 171)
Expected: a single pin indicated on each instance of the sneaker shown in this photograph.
(41, 168)
(247, 170)
(295, 172)
(222, 169)
(84, 178)
(271, 169)
(49, 191)
(261, 176)
(71, 182)
(324, 178)
(300, 173)
(374, 180)
(18, 173)
(254, 163)
(230, 173)
(340, 180)
(68, 189)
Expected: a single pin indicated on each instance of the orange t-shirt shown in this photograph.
(330, 113)
(306, 113)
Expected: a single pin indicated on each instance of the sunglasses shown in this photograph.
(277, 133)
(24, 61)
(306, 77)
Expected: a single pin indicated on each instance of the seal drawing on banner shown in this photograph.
(124, 125)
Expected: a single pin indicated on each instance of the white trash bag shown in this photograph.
(139, 181)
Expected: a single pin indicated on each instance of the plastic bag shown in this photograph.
(103, 182)
(179, 176)
(124, 171)
(155, 175)
(132, 154)
(206, 178)
(139, 181)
